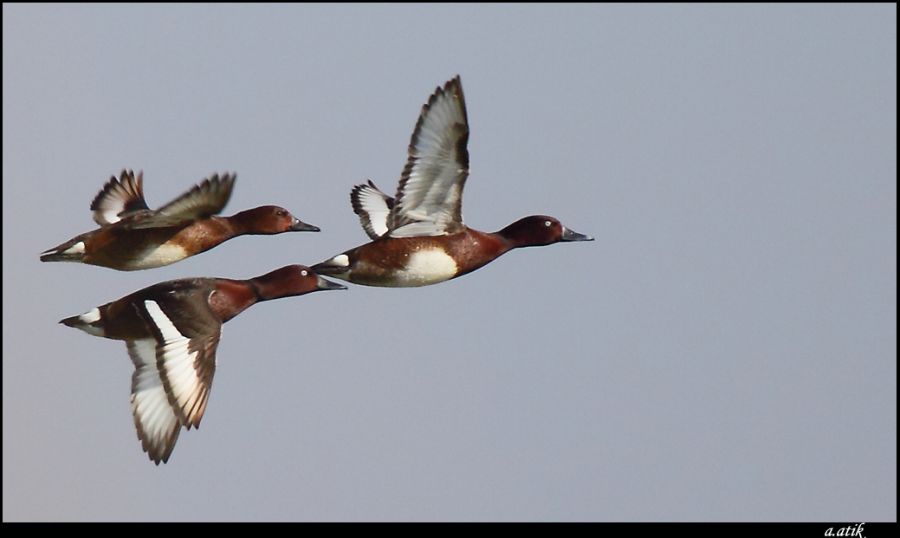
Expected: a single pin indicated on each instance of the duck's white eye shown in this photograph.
(304, 272)
(547, 223)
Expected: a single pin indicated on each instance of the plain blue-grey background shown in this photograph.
(724, 350)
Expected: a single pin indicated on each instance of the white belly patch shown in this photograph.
(162, 255)
(427, 267)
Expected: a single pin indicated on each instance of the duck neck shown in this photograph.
(263, 289)
(514, 236)
(233, 297)
(273, 285)
(239, 223)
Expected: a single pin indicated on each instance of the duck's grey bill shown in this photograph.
(570, 235)
(300, 226)
(323, 284)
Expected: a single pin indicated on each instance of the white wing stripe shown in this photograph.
(176, 362)
(179, 368)
(166, 328)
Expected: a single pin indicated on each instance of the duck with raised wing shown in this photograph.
(132, 236)
(171, 330)
(418, 237)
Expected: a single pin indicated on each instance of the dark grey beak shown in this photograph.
(300, 226)
(323, 284)
(570, 235)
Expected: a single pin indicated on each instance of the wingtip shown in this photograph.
(224, 180)
(119, 196)
(454, 85)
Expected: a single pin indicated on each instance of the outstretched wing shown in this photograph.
(373, 208)
(173, 373)
(203, 200)
(156, 422)
(429, 196)
(119, 198)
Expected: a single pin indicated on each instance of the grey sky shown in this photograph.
(724, 350)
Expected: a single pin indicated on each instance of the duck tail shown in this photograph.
(90, 322)
(335, 267)
(70, 251)
(74, 322)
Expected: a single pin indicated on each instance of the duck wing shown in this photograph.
(373, 208)
(429, 196)
(202, 201)
(173, 371)
(119, 198)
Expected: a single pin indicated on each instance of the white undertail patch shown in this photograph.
(88, 319)
(77, 248)
(91, 316)
(341, 260)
